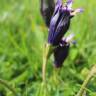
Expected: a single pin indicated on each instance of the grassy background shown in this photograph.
(22, 36)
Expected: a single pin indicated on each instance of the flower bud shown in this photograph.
(60, 54)
(47, 9)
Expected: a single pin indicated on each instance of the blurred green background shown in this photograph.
(22, 36)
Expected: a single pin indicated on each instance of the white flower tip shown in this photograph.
(70, 37)
(79, 10)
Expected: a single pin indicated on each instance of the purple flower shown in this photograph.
(60, 21)
(61, 52)
(57, 18)
(47, 9)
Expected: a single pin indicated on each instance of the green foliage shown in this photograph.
(22, 37)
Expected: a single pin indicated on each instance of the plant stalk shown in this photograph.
(89, 77)
(48, 49)
(45, 58)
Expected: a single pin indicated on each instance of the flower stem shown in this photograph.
(45, 57)
(48, 49)
(90, 75)
(8, 86)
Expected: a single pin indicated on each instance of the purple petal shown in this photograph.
(59, 2)
(69, 1)
(58, 5)
(60, 54)
(69, 4)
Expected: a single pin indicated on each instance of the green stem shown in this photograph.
(48, 49)
(90, 75)
(8, 86)
(45, 57)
